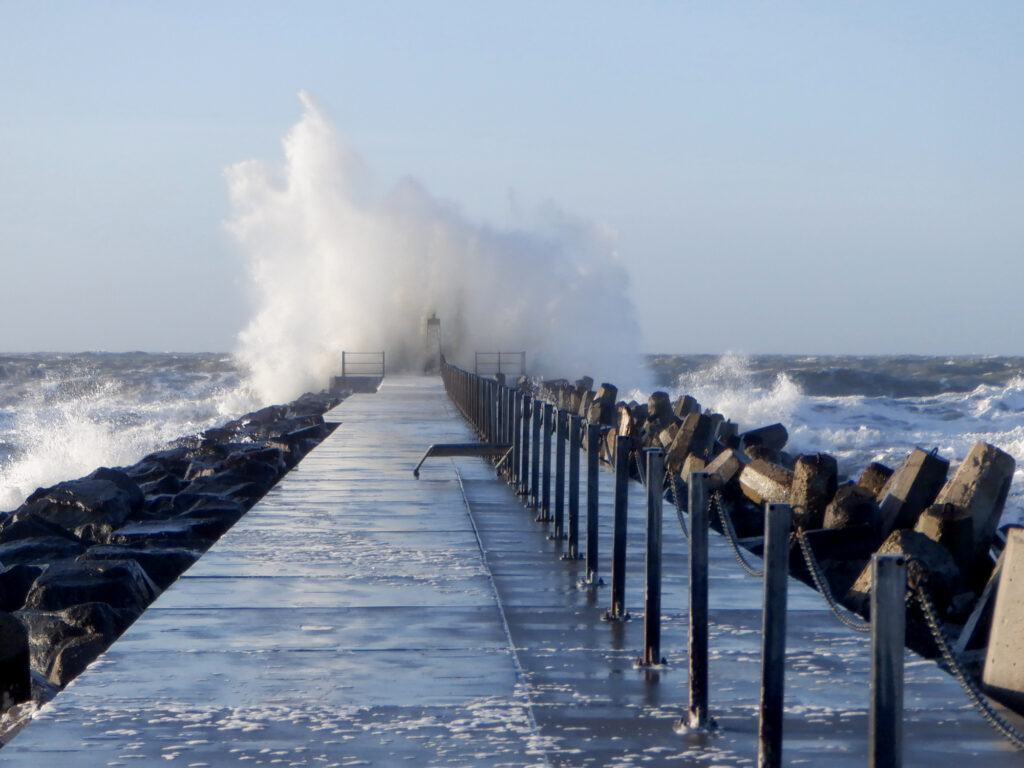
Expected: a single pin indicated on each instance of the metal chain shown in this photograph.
(715, 500)
(640, 469)
(970, 687)
(821, 583)
(673, 487)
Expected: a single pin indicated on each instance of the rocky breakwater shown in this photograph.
(945, 523)
(81, 560)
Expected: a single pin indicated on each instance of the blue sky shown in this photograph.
(783, 177)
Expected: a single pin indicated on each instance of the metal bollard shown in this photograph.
(538, 415)
(617, 610)
(652, 583)
(593, 451)
(517, 435)
(545, 491)
(561, 428)
(698, 620)
(524, 469)
(888, 631)
(777, 522)
(574, 488)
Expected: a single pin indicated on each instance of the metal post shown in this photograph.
(517, 417)
(617, 610)
(593, 449)
(888, 630)
(574, 487)
(343, 364)
(545, 494)
(561, 428)
(652, 580)
(383, 367)
(524, 470)
(773, 634)
(538, 415)
(698, 640)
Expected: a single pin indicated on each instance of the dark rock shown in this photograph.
(164, 484)
(72, 656)
(122, 584)
(22, 525)
(88, 508)
(122, 480)
(15, 681)
(15, 582)
(163, 566)
(42, 549)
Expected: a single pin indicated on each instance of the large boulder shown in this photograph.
(88, 508)
(15, 583)
(15, 678)
(122, 584)
(163, 565)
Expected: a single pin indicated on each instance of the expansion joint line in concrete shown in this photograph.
(520, 674)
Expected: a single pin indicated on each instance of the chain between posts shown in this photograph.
(674, 488)
(715, 499)
(977, 698)
(822, 584)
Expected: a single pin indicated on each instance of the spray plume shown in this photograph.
(334, 267)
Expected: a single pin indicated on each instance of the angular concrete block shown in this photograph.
(852, 506)
(874, 477)
(980, 485)
(772, 438)
(602, 407)
(815, 478)
(725, 467)
(693, 463)
(685, 405)
(912, 489)
(1003, 675)
(763, 482)
(952, 526)
(695, 436)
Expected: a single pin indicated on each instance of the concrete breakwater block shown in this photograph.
(765, 483)
(696, 436)
(912, 489)
(1003, 674)
(815, 478)
(980, 486)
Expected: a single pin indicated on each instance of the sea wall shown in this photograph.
(81, 560)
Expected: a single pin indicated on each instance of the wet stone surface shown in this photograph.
(351, 619)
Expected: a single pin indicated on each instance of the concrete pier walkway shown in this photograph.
(357, 616)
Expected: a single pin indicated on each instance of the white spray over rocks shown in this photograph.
(336, 267)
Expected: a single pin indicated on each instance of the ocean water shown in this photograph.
(61, 416)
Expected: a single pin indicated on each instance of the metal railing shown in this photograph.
(501, 413)
(507, 363)
(362, 364)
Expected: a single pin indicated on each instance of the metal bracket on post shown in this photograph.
(888, 634)
(778, 518)
(652, 584)
(617, 610)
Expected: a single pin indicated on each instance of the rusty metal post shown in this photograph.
(698, 620)
(773, 634)
(888, 634)
(617, 609)
(574, 488)
(561, 429)
(593, 451)
(545, 490)
(524, 470)
(652, 580)
(538, 415)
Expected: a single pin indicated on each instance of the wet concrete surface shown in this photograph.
(357, 616)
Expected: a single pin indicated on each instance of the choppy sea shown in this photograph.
(63, 415)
